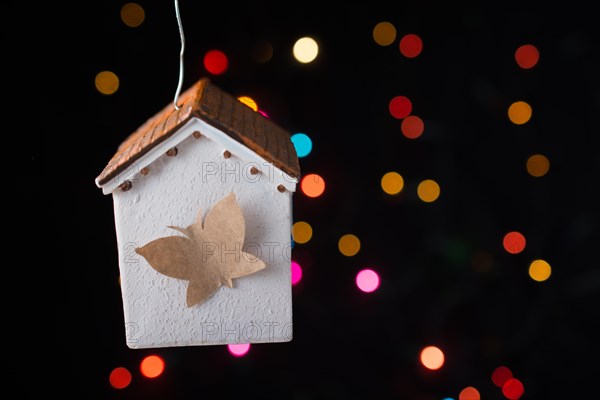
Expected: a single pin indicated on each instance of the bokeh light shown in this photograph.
(239, 350)
(412, 127)
(428, 190)
(384, 33)
(411, 45)
(469, 393)
(312, 185)
(540, 270)
(482, 261)
(301, 232)
(501, 375)
(152, 366)
(513, 389)
(296, 273)
(107, 82)
(392, 183)
(249, 101)
(349, 245)
(216, 62)
(120, 378)
(132, 15)
(400, 107)
(519, 112)
(527, 56)
(262, 51)
(538, 165)
(432, 357)
(302, 144)
(306, 49)
(367, 280)
(514, 242)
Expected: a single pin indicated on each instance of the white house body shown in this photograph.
(191, 169)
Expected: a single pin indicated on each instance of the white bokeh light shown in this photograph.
(306, 49)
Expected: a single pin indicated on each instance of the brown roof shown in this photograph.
(209, 103)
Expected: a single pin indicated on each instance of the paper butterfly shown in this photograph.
(209, 255)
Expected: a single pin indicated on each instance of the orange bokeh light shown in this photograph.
(312, 185)
(432, 357)
(152, 366)
(538, 165)
(412, 127)
(469, 393)
(519, 112)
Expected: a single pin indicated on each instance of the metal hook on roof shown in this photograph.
(180, 83)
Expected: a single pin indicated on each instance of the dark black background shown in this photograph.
(434, 290)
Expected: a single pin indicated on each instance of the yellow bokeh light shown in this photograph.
(107, 82)
(249, 101)
(539, 270)
(132, 15)
(384, 33)
(392, 183)
(519, 112)
(302, 232)
(428, 190)
(306, 49)
(538, 165)
(349, 245)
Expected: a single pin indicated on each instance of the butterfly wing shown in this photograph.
(173, 256)
(200, 290)
(248, 264)
(225, 223)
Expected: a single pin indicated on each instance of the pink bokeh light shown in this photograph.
(367, 280)
(296, 273)
(238, 350)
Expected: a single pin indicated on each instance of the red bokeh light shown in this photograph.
(411, 45)
(216, 62)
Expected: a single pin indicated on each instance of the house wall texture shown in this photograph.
(259, 306)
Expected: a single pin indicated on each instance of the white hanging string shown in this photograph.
(180, 83)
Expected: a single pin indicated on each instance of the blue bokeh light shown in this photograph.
(302, 143)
